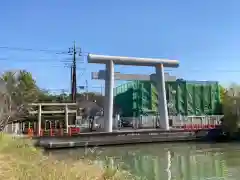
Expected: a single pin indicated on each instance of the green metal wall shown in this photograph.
(193, 98)
(133, 98)
(184, 97)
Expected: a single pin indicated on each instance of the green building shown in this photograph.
(188, 98)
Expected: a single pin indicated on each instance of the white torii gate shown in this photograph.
(159, 64)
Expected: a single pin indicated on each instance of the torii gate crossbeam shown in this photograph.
(159, 64)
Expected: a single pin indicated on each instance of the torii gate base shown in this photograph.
(109, 83)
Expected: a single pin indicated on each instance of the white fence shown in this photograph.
(14, 128)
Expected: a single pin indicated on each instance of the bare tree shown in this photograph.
(17, 89)
(5, 109)
(231, 108)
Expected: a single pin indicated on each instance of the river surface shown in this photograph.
(185, 161)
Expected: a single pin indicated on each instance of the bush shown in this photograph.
(231, 109)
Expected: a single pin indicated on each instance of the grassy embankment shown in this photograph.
(20, 160)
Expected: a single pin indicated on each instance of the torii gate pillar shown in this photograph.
(109, 83)
(108, 101)
(162, 100)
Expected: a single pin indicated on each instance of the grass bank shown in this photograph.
(20, 160)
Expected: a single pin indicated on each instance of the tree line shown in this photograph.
(18, 89)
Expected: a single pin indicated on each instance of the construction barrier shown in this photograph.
(58, 132)
(53, 132)
(75, 130)
(198, 126)
(30, 132)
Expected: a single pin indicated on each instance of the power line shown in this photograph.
(68, 62)
(39, 59)
(83, 54)
(60, 52)
(49, 62)
(72, 51)
(30, 49)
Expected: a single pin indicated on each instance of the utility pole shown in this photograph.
(74, 85)
(71, 85)
(86, 90)
(101, 89)
(73, 51)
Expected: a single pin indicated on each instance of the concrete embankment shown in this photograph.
(120, 138)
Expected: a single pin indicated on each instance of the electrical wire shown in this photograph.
(41, 50)
(30, 49)
(67, 63)
(52, 62)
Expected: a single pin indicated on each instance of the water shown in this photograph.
(185, 161)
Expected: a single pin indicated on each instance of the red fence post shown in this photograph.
(30, 132)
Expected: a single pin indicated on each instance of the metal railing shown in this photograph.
(175, 121)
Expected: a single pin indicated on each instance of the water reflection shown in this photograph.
(169, 162)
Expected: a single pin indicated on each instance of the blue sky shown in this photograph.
(203, 35)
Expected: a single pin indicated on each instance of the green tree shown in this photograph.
(222, 93)
(47, 97)
(19, 89)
